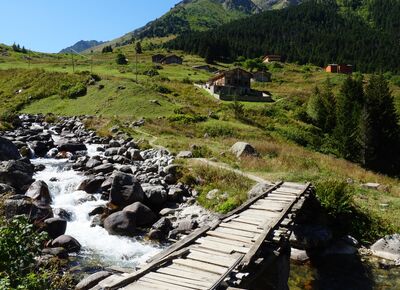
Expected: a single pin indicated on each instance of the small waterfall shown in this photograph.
(97, 245)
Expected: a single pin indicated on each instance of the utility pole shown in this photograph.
(73, 63)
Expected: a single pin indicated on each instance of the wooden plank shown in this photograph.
(126, 279)
(210, 259)
(273, 204)
(229, 237)
(266, 208)
(240, 226)
(190, 275)
(251, 201)
(217, 254)
(247, 221)
(226, 274)
(226, 241)
(180, 281)
(248, 258)
(182, 243)
(239, 233)
(200, 265)
(223, 248)
(163, 285)
(195, 272)
(140, 286)
(259, 214)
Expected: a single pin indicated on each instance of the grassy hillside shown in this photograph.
(179, 115)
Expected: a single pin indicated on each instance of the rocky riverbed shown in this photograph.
(103, 200)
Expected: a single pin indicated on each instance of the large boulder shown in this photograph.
(8, 151)
(70, 146)
(17, 173)
(6, 189)
(144, 215)
(121, 223)
(243, 149)
(156, 195)
(55, 227)
(388, 248)
(309, 237)
(160, 230)
(91, 184)
(67, 242)
(104, 168)
(23, 205)
(39, 192)
(125, 190)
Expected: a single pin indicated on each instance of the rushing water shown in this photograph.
(98, 247)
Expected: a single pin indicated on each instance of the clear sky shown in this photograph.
(51, 25)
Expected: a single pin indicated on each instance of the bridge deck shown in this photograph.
(204, 259)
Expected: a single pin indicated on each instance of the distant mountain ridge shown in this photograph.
(81, 46)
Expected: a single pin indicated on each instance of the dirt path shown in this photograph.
(208, 162)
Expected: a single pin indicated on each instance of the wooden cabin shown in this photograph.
(339, 68)
(272, 58)
(234, 78)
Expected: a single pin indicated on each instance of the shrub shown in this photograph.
(187, 119)
(19, 245)
(121, 59)
(219, 130)
(335, 196)
(74, 91)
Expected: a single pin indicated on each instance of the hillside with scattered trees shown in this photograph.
(362, 33)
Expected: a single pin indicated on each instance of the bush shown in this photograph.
(187, 119)
(74, 91)
(219, 130)
(19, 245)
(335, 196)
(121, 59)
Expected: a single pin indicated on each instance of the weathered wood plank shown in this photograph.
(200, 265)
(162, 285)
(223, 248)
(227, 272)
(248, 221)
(229, 237)
(197, 272)
(190, 275)
(240, 226)
(240, 233)
(210, 259)
(266, 208)
(180, 281)
(226, 241)
(250, 201)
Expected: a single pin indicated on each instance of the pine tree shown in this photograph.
(381, 128)
(321, 107)
(348, 115)
(138, 47)
(121, 59)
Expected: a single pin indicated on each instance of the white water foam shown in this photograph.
(97, 244)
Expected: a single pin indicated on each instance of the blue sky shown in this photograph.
(51, 25)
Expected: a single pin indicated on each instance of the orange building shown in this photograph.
(339, 68)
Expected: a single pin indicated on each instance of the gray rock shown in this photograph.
(55, 227)
(387, 247)
(68, 243)
(125, 190)
(160, 230)
(104, 168)
(242, 148)
(91, 185)
(70, 146)
(57, 252)
(258, 189)
(39, 192)
(135, 155)
(156, 195)
(92, 280)
(8, 151)
(121, 223)
(299, 255)
(64, 214)
(17, 174)
(92, 163)
(212, 194)
(340, 247)
(175, 194)
(144, 215)
(185, 154)
(167, 211)
(23, 205)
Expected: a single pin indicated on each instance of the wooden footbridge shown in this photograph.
(219, 255)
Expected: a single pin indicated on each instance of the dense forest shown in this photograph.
(360, 32)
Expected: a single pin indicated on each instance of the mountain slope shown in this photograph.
(316, 31)
(81, 46)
